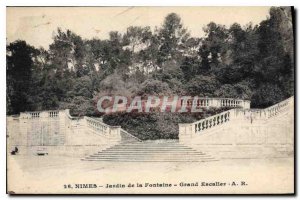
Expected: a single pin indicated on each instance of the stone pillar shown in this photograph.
(186, 132)
(115, 133)
(246, 104)
(62, 127)
(44, 115)
(215, 103)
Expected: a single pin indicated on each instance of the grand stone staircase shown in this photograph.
(150, 151)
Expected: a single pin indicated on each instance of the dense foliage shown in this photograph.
(156, 125)
(250, 62)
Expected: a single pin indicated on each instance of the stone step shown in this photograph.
(142, 152)
(146, 145)
(148, 158)
(150, 149)
(150, 146)
(151, 160)
(145, 152)
(150, 152)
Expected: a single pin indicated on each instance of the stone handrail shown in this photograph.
(266, 113)
(34, 114)
(277, 108)
(30, 115)
(53, 114)
(105, 129)
(39, 114)
(97, 126)
(217, 102)
(212, 121)
(236, 113)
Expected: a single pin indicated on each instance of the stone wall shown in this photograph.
(56, 132)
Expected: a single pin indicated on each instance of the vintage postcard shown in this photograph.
(150, 100)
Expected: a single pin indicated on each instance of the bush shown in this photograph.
(155, 125)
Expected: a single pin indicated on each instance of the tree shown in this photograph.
(67, 51)
(190, 66)
(137, 38)
(153, 87)
(214, 46)
(239, 91)
(171, 36)
(202, 86)
(19, 73)
(172, 75)
(267, 95)
(276, 64)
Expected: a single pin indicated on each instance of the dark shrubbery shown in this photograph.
(155, 125)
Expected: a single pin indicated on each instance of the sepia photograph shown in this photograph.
(150, 100)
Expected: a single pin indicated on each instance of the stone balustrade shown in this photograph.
(250, 114)
(217, 102)
(40, 114)
(53, 114)
(97, 126)
(102, 129)
(211, 122)
(279, 107)
(264, 114)
(235, 115)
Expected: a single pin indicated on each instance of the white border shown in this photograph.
(4, 3)
(148, 3)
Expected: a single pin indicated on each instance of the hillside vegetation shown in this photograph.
(156, 125)
(254, 62)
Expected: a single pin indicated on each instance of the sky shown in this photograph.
(38, 25)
